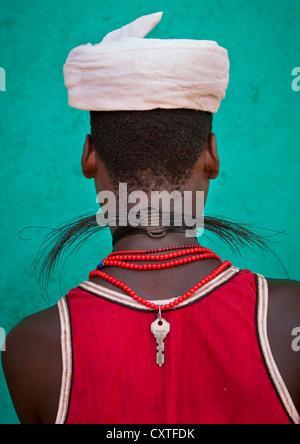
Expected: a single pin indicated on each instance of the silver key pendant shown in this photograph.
(160, 329)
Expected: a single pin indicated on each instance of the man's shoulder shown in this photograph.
(284, 301)
(283, 320)
(284, 287)
(38, 330)
(32, 361)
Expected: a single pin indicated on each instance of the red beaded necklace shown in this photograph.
(124, 258)
(183, 255)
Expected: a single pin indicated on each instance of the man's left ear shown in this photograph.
(88, 160)
(212, 160)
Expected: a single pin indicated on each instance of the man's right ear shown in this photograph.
(88, 160)
(212, 161)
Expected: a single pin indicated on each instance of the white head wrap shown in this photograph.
(127, 72)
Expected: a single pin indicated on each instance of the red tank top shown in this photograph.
(218, 368)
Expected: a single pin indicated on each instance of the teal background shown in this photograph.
(41, 137)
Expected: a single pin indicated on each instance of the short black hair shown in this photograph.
(146, 149)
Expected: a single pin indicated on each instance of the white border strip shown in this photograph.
(66, 348)
(127, 301)
(262, 316)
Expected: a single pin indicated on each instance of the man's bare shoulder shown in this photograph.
(285, 295)
(280, 287)
(32, 364)
(283, 319)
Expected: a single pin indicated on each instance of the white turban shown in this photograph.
(126, 72)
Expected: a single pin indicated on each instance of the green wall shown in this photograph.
(41, 138)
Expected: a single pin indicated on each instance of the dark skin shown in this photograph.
(32, 363)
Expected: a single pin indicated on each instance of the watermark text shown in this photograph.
(2, 79)
(139, 209)
(296, 341)
(296, 80)
(2, 339)
(135, 435)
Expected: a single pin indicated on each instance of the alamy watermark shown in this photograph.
(157, 209)
(2, 79)
(296, 341)
(2, 339)
(296, 80)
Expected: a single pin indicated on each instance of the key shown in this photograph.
(160, 329)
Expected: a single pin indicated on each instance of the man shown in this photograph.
(224, 352)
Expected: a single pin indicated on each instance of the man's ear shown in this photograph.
(212, 161)
(88, 160)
